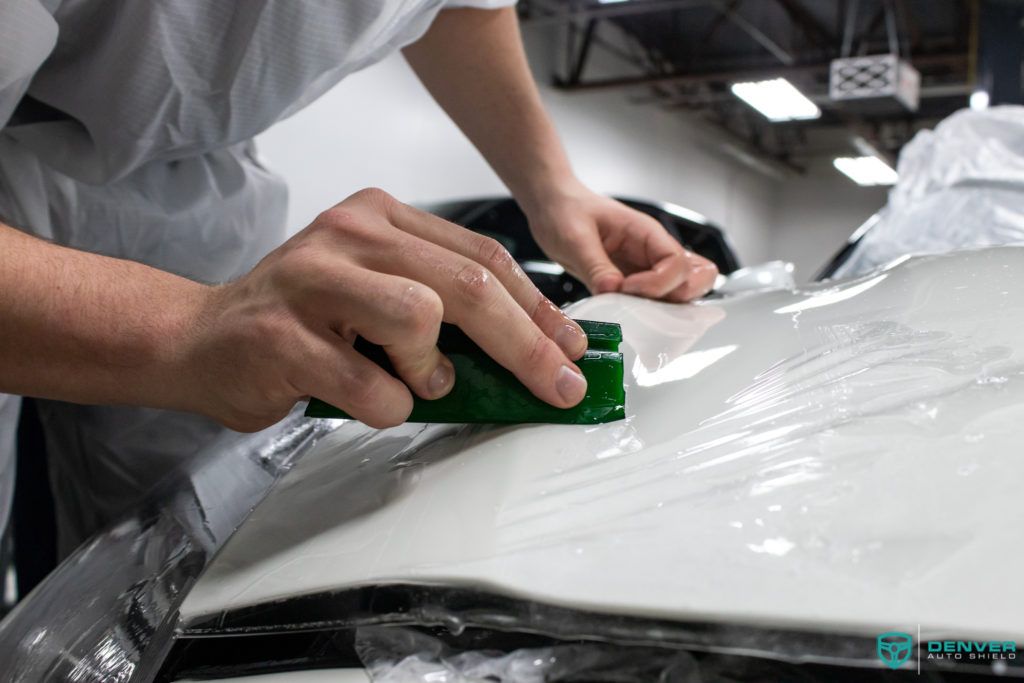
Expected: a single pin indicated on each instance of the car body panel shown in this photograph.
(839, 458)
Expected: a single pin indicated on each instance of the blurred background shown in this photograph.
(781, 121)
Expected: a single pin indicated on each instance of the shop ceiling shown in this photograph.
(684, 55)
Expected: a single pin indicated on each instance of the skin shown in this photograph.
(494, 100)
(92, 329)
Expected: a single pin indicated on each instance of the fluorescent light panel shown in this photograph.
(777, 99)
(979, 100)
(866, 171)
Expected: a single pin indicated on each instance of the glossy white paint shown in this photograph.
(844, 457)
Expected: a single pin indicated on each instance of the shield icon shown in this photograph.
(894, 648)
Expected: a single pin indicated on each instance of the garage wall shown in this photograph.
(380, 127)
(815, 214)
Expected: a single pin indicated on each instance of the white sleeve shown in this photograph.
(28, 34)
(479, 4)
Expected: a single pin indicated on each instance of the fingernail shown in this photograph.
(571, 385)
(441, 380)
(571, 339)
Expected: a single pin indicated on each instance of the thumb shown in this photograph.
(598, 272)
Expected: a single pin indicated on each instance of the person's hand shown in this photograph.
(372, 267)
(613, 248)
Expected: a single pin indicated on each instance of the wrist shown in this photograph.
(173, 348)
(546, 192)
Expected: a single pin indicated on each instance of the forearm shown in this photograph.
(90, 329)
(472, 62)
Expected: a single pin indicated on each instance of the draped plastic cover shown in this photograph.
(960, 185)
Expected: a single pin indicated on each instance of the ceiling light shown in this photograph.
(777, 99)
(979, 100)
(866, 170)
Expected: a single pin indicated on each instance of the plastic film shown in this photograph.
(107, 613)
(827, 460)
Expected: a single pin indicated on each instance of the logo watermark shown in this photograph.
(895, 649)
(972, 650)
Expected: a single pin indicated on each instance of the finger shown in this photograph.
(598, 272)
(335, 372)
(669, 271)
(492, 255)
(477, 302)
(404, 317)
(700, 281)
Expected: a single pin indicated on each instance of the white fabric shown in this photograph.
(134, 141)
(29, 34)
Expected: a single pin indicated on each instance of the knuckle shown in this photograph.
(350, 226)
(421, 308)
(375, 197)
(364, 389)
(494, 255)
(338, 217)
(544, 308)
(473, 284)
(700, 266)
(536, 352)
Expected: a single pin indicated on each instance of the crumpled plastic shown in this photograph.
(106, 613)
(404, 655)
(960, 185)
(399, 655)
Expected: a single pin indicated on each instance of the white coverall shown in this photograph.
(126, 129)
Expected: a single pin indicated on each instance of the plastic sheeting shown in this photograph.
(407, 656)
(830, 459)
(397, 655)
(107, 613)
(960, 185)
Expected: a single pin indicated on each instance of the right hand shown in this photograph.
(372, 267)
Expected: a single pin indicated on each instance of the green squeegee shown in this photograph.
(486, 392)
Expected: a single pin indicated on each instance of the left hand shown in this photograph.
(613, 248)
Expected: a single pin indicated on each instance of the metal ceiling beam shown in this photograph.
(717, 24)
(954, 60)
(759, 36)
(581, 58)
(816, 32)
(556, 15)
(685, 101)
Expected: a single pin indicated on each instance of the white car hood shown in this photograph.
(845, 457)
